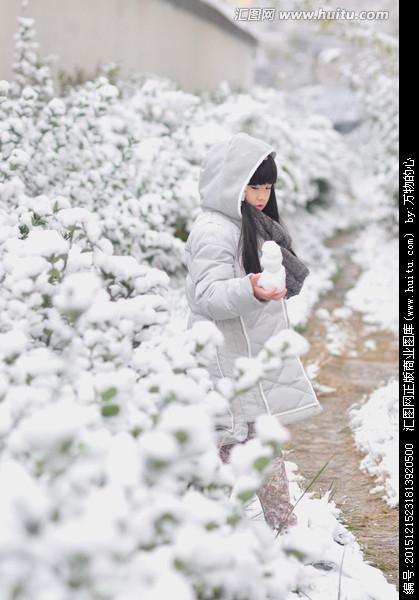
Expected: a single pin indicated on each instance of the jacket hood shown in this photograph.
(227, 169)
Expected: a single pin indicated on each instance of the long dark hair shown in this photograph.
(254, 223)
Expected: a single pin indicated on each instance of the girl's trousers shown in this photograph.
(274, 494)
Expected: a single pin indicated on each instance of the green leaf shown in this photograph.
(9, 360)
(246, 496)
(54, 274)
(24, 230)
(66, 445)
(261, 463)
(233, 520)
(109, 393)
(38, 220)
(179, 564)
(136, 431)
(110, 410)
(155, 463)
(46, 301)
(181, 436)
(297, 553)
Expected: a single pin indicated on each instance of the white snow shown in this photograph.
(110, 476)
(376, 292)
(332, 557)
(376, 432)
(38, 243)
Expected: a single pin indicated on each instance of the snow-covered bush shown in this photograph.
(373, 74)
(110, 474)
(111, 480)
(367, 60)
(29, 68)
(131, 153)
(376, 431)
(348, 67)
(112, 486)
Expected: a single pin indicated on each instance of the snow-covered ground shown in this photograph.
(332, 557)
(376, 431)
(376, 293)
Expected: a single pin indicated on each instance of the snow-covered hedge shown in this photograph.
(373, 73)
(131, 152)
(371, 69)
(111, 482)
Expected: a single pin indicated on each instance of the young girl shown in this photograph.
(239, 212)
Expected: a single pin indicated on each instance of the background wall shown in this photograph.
(197, 48)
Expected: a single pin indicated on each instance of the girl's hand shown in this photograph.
(263, 294)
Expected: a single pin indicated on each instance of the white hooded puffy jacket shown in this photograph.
(218, 289)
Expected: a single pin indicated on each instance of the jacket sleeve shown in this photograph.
(218, 293)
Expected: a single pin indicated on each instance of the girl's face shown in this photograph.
(258, 195)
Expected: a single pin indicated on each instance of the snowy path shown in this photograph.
(355, 359)
(356, 367)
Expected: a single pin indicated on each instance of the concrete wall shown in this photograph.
(156, 36)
